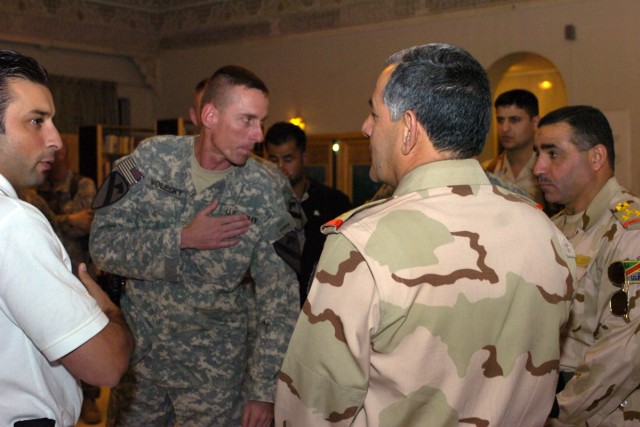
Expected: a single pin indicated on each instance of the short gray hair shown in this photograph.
(449, 92)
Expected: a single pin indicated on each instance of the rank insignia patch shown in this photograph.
(627, 213)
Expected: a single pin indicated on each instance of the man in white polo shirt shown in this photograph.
(54, 331)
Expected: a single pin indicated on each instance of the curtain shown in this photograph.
(82, 102)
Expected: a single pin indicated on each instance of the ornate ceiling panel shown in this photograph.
(142, 27)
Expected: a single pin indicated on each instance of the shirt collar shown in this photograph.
(601, 203)
(7, 188)
(443, 173)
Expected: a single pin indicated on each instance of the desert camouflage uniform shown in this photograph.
(602, 349)
(385, 191)
(441, 306)
(187, 308)
(526, 180)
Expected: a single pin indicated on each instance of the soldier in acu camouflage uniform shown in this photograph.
(186, 257)
(600, 356)
(442, 305)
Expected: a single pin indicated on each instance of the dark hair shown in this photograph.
(227, 76)
(449, 92)
(520, 98)
(590, 127)
(14, 65)
(283, 132)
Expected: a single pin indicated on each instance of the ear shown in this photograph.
(598, 157)
(535, 121)
(410, 131)
(192, 116)
(208, 115)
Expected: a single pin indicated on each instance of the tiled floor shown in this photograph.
(102, 404)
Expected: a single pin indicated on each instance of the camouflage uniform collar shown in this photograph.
(601, 203)
(506, 168)
(442, 174)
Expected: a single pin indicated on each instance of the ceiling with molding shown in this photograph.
(142, 28)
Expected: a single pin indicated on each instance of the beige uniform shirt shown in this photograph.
(602, 349)
(441, 306)
(525, 179)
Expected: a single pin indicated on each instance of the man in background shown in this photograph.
(200, 213)
(286, 144)
(54, 330)
(517, 117)
(600, 359)
(69, 195)
(422, 305)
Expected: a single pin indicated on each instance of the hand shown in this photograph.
(103, 358)
(257, 414)
(207, 232)
(103, 300)
(81, 220)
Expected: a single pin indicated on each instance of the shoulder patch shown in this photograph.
(628, 214)
(129, 170)
(125, 173)
(334, 225)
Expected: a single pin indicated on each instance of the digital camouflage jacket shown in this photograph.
(188, 309)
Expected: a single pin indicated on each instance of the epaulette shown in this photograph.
(628, 214)
(124, 174)
(335, 224)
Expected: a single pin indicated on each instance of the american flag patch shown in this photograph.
(129, 170)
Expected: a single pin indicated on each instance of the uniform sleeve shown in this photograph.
(122, 242)
(277, 302)
(324, 377)
(610, 369)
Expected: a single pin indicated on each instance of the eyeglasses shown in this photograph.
(621, 274)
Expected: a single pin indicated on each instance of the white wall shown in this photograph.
(328, 77)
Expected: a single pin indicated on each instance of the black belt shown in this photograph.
(40, 422)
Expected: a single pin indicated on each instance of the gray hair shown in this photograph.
(449, 92)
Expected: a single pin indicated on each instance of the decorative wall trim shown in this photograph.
(143, 27)
(140, 29)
